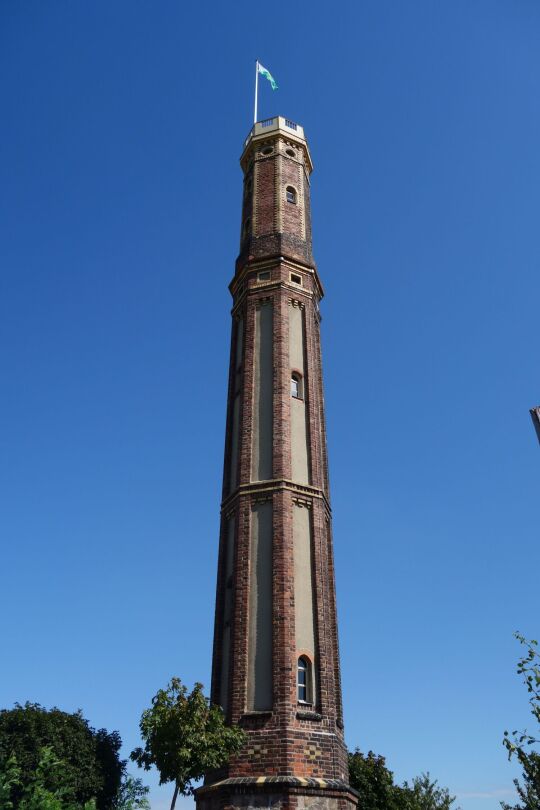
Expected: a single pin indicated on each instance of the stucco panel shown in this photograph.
(259, 686)
(299, 431)
(261, 457)
(303, 581)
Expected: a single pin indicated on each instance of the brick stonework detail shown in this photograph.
(301, 746)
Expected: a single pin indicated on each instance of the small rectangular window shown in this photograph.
(296, 279)
(264, 275)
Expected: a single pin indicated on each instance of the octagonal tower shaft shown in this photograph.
(276, 662)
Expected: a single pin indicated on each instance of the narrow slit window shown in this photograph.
(291, 195)
(304, 680)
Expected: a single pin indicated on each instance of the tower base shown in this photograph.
(276, 793)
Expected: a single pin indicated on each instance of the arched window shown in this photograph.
(304, 680)
(296, 386)
(291, 194)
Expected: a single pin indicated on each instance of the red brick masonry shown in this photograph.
(295, 756)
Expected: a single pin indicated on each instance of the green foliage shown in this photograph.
(374, 782)
(424, 794)
(369, 775)
(52, 760)
(34, 792)
(91, 767)
(9, 780)
(519, 743)
(133, 795)
(185, 737)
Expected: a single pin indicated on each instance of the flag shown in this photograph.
(264, 72)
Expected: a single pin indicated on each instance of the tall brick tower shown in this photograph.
(276, 661)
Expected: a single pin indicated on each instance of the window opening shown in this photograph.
(304, 680)
(291, 195)
(296, 386)
(296, 279)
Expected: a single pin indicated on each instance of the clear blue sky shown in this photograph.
(120, 190)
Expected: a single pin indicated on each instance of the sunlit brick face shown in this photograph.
(275, 664)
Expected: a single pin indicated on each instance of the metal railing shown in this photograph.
(275, 123)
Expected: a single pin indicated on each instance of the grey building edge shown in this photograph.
(535, 416)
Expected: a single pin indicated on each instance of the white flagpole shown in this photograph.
(256, 90)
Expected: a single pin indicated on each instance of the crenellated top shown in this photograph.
(276, 210)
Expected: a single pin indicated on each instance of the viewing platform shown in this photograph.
(277, 125)
(272, 124)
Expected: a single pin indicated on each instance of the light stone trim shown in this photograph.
(278, 485)
(262, 499)
(303, 503)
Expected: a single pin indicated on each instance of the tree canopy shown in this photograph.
(54, 760)
(374, 782)
(185, 737)
(519, 743)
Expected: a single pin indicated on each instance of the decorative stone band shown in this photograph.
(289, 782)
(274, 485)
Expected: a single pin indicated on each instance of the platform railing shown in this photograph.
(277, 122)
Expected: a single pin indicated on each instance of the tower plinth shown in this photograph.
(276, 662)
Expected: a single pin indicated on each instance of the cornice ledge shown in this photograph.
(275, 485)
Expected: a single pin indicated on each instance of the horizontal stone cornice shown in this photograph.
(266, 488)
(292, 783)
(266, 262)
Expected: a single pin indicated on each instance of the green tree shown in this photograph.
(62, 759)
(369, 775)
(185, 737)
(374, 782)
(133, 795)
(34, 792)
(519, 743)
(423, 794)
(9, 780)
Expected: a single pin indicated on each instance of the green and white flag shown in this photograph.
(266, 73)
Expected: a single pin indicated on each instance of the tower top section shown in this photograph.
(276, 211)
(274, 127)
